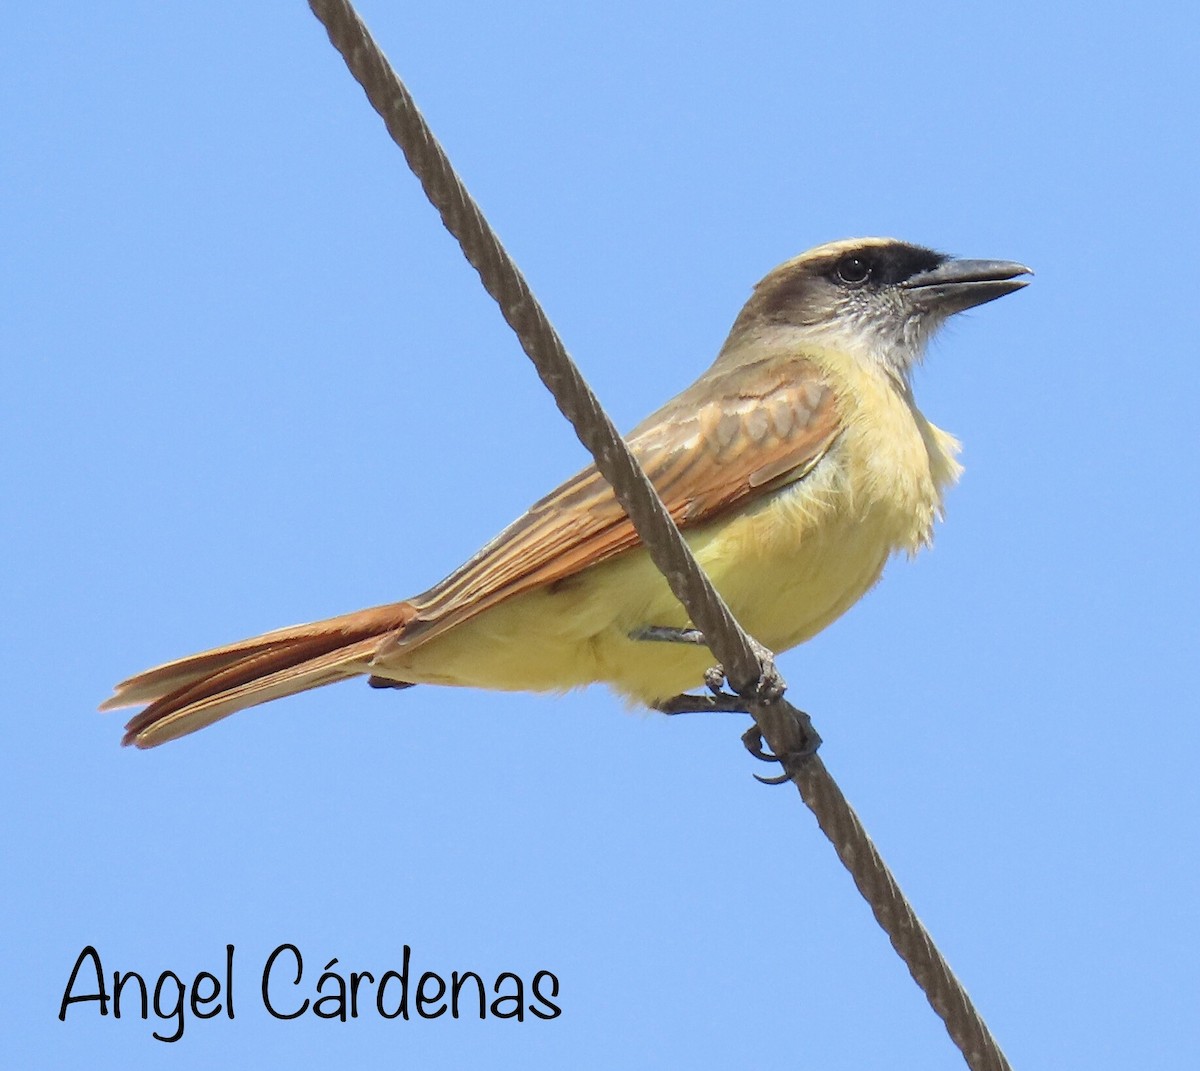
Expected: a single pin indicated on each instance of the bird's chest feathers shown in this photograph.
(896, 464)
(803, 555)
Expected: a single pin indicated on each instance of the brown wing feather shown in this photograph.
(730, 437)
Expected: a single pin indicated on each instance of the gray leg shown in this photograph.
(666, 634)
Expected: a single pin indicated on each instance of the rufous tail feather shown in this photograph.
(190, 693)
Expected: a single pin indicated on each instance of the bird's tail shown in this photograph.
(190, 693)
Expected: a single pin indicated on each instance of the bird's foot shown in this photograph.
(726, 697)
(769, 687)
(806, 738)
(668, 634)
(801, 731)
(719, 703)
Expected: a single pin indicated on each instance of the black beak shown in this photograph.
(962, 284)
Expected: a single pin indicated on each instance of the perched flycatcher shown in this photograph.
(796, 465)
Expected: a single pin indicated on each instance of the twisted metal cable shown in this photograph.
(896, 917)
(746, 663)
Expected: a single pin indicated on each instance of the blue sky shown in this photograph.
(248, 380)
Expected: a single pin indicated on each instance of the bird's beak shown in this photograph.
(963, 284)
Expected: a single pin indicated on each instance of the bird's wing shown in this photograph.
(730, 438)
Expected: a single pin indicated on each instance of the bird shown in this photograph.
(796, 466)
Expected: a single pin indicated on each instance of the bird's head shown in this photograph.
(877, 299)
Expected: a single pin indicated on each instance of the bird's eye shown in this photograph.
(853, 270)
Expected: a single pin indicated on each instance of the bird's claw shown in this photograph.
(807, 744)
(753, 739)
(782, 779)
(769, 687)
(714, 679)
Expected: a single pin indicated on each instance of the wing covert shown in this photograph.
(730, 437)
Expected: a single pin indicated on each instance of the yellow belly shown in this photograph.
(787, 569)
